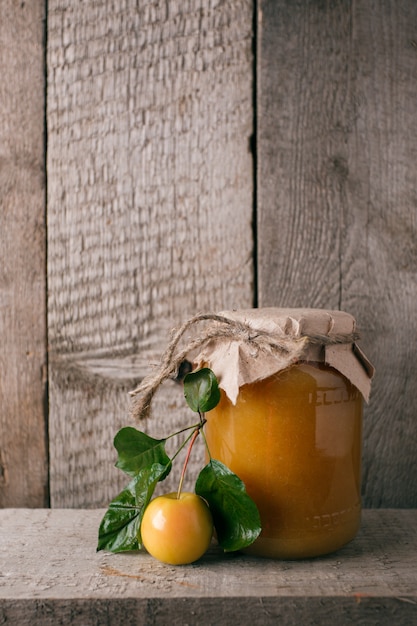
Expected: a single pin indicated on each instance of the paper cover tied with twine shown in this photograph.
(258, 343)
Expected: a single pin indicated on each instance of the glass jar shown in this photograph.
(295, 441)
(291, 427)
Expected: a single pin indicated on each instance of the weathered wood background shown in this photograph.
(23, 439)
(150, 203)
(337, 197)
(188, 169)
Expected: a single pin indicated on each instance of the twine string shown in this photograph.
(223, 327)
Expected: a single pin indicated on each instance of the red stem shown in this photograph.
(187, 458)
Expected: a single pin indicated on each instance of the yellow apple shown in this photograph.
(177, 530)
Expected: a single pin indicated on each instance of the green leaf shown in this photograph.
(201, 390)
(120, 527)
(235, 515)
(137, 451)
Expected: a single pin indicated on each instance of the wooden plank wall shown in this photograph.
(23, 443)
(150, 205)
(337, 202)
(150, 201)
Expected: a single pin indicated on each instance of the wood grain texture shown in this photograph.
(50, 573)
(23, 445)
(150, 193)
(337, 204)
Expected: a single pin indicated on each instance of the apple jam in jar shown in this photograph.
(293, 435)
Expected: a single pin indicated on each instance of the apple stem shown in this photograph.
(187, 458)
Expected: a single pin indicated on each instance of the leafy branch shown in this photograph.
(144, 458)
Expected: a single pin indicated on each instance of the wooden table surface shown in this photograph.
(50, 573)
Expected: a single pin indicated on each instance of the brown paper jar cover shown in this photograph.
(330, 337)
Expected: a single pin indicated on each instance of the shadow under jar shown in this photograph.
(294, 436)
